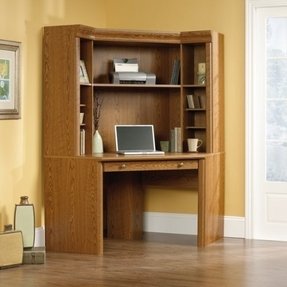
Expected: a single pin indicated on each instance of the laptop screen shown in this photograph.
(134, 138)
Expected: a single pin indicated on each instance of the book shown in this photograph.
(178, 139)
(175, 140)
(174, 80)
(190, 102)
(202, 101)
(82, 141)
(172, 141)
(196, 101)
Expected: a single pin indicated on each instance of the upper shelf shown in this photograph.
(136, 85)
(159, 86)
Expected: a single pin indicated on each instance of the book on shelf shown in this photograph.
(176, 140)
(202, 101)
(82, 141)
(172, 140)
(190, 102)
(196, 102)
(174, 80)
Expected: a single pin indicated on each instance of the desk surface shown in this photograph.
(166, 156)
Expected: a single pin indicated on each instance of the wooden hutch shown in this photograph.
(89, 195)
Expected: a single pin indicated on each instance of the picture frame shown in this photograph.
(10, 80)
(84, 79)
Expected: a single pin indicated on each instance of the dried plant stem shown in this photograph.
(98, 102)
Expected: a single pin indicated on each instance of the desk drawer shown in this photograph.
(150, 165)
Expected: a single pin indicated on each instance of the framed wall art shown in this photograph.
(9, 80)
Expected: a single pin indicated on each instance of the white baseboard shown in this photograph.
(234, 226)
(39, 237)
(176, 223)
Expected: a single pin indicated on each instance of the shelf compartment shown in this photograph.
(196, 119)
(193, 54)
(155, 59)
(86, 52)
(199, 134)
(85, 106)
(164, 114)
(199, 96)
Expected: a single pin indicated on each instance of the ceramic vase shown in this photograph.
(24, 220)
(97, 143)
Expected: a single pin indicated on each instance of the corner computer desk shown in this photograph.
(102, 195)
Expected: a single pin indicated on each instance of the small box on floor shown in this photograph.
(11, 249)
(35, 255)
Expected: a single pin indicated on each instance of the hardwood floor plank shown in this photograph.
(160, 260)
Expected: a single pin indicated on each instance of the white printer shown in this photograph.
(127, 72)
(133, 78)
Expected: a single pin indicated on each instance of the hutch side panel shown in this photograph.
(60, 86)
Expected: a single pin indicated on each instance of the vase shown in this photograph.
(97, 143)
(24, 220)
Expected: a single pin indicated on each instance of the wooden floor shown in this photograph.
(160, 261)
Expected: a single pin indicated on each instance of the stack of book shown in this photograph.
(176, 140)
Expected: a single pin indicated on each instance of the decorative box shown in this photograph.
(35, 255)
(11, 248)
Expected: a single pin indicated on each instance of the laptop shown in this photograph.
(135, 140)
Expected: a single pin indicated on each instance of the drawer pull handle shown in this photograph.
(123, 166)
(180, 164)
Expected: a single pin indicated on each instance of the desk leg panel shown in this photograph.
(124, 195)
(211, 199)
(73, 205)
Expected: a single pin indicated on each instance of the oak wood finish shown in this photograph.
(165, 260)
(124, 205)
(77, 226)
(73, 205)
(76, 188)
(210, 199)
(150, 165)
(60, 81)
(162, 105)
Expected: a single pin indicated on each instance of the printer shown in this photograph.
(126, 71)
(133, 78)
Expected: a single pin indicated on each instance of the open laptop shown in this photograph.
(135, 140)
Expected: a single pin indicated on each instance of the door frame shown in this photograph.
(251, 8)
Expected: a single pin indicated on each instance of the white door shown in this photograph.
(267, 130)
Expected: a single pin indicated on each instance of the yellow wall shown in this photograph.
(20, 140)
(224, 16)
